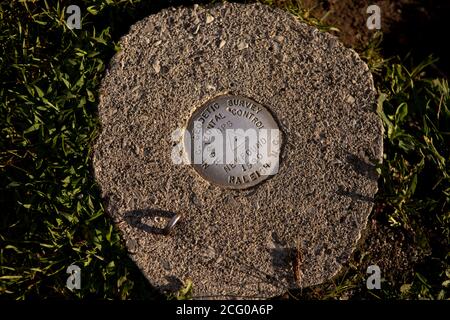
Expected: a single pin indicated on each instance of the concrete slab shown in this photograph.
(295, 229)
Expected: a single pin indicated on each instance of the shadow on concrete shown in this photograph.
(282, 262)
(173, 284)
(354, 196)
(362, 167)
(135, 219)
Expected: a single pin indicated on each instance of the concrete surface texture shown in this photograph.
(295, 229)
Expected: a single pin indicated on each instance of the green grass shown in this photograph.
(51, 213)
(415, 176)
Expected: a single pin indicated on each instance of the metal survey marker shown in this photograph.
(233, 141)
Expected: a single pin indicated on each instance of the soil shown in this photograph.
(408, 26)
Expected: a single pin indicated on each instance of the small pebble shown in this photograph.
(156, 66)
(132, 246)
(209, 18)
(242, 46)
(350, 99)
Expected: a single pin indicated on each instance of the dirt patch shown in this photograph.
(350, 17)
(391, 250)
(408, 26)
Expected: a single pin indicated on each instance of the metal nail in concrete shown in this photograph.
(238, 242)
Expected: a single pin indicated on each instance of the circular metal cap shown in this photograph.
(234, 142)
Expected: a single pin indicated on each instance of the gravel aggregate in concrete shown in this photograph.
(238, 243)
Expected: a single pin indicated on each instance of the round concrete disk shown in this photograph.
(238, 243)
